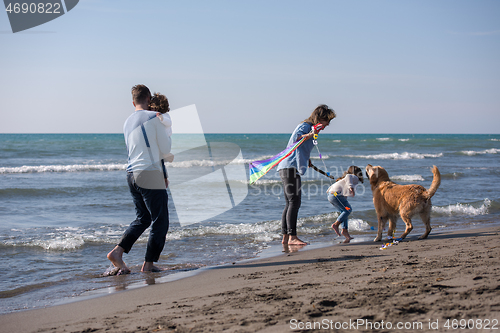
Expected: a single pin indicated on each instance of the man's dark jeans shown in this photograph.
(151, 207)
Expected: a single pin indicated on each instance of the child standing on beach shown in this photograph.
(344, 187)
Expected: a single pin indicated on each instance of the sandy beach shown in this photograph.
(439, 284)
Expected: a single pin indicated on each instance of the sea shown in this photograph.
(64, 204)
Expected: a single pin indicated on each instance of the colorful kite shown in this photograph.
(260, 168)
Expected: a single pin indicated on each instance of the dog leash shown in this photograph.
(320, 171)
(336, 197)
(315, 143)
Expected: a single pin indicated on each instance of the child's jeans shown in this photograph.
(341, 203)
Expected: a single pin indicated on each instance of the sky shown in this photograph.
(258, 66)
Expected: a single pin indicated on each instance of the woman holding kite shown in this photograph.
(295, 165)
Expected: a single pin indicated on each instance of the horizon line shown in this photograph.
(259, 133)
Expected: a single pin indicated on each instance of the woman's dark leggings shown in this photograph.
(292, 190)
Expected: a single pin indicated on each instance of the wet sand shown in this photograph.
(425, 284)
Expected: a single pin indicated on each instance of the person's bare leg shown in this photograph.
(335, 227)
(115, 256)
(294, 240)
(148, 266)
(285, 239)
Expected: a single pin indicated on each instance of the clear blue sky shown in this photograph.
(258, 66)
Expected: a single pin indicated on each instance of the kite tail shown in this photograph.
(257, 169)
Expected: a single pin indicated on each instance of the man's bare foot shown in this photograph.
(149, 267)
(115, 256)
(348, 237)
(285, 239)
(335, 227)
(294, 240)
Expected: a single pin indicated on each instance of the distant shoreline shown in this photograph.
(262, 133)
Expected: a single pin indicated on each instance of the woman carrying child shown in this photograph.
(344, 187)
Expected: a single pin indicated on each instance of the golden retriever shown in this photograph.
(391, 200)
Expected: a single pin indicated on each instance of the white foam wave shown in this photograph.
(72, 238)
(384, 139)
(324, 157)
(403, 140)
(262, 231)
(63, 168)
(464, 209)
(61, 239)
(358, 225)
(408, 178)
(60, 243)
(54, 241)
(265, 181)
(115, 166)
(325, 220)
(318, 218)
(397, 156)
(268, 230)
(337, 141)
(494, 140)
(210, 163)
(480, 152)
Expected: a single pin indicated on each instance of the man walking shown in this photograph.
(147, 144)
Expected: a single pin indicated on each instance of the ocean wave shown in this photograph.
(63, 168)
(45, 192)
(359, 225)
(324, 157)
(62, 238)
(260, 232)
(464, 209)
(332, 216)
(212, 163)
(408, 178)
(403, 140)
(453, 175)
(396, 156)
(117, 166)
(266, 231)
(265, 181)
(480, 152)
(384, 139)
(59, 242)
(319, 223)
(73, 238)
